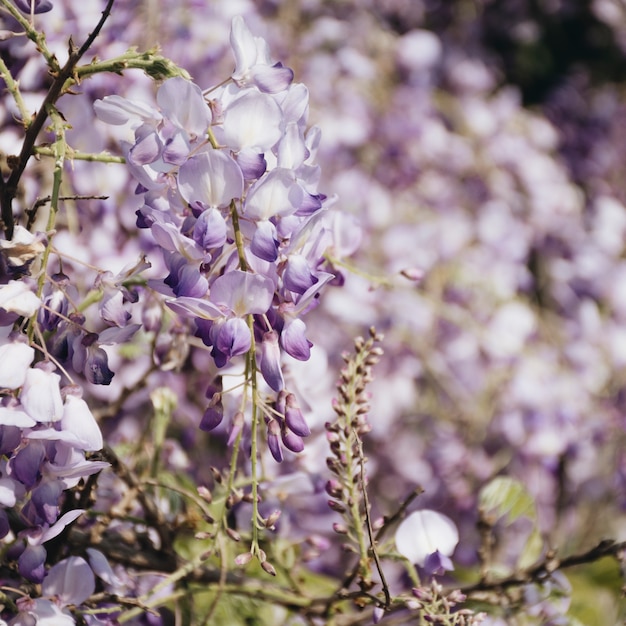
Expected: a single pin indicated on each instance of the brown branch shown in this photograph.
(550, 564)
(8, 188)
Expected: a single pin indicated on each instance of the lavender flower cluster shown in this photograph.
(489, 436)
(229, 185)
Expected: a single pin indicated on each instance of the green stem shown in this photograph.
(34, 35)
(14, 89)
(255, 433)
(75, 155)
(153, 64)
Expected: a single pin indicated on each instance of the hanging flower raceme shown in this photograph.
(230, 196)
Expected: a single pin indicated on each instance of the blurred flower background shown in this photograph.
(477, 149)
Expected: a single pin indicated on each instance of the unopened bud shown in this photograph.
(272, 519)
(336, 506)
(205, 494)
(243, 559)
(269, 568)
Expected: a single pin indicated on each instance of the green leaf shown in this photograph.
(507, 497)
(532, 550)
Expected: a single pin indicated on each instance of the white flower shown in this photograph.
(16, 297)
(425, 532)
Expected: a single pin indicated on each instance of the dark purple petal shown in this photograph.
(38, 6)
(436, 564)
(293, 417)
(190, 282)
(31, 563)
(214, 413)
(26, 463)
(294, 342)
(291, 441)
(4, 524)
(10, 438)
(233, 337)
(45, 499)
(270, 361)
(273, 440)
(97, 366)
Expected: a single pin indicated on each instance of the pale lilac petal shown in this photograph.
(424, 532)
(244, 47)
(79, 420)
(15, 360)
(243, 292)
(70, 581)
(41, 396)
(7, 492)
(182, 103)
(47, 613)
(292, 151)
(210, 179)
(168, 236)
(252, 121)
(63, 521)
(295, 104)
(114, 335)
(270, 361)
(195, 307)
(276, 194)
(271, 78)
(101, 567)
(190, 282)
(293, 340)
(265, 242)
(117, 110)
(16, 297)
(147, 148)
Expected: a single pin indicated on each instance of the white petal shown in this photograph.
(15, 360)
(16, 297)
(78, 420)
(252, 121)
(41, 396)
(424, 532)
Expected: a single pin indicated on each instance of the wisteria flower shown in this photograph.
(427, 538)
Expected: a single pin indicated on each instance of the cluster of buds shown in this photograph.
(347, 487)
